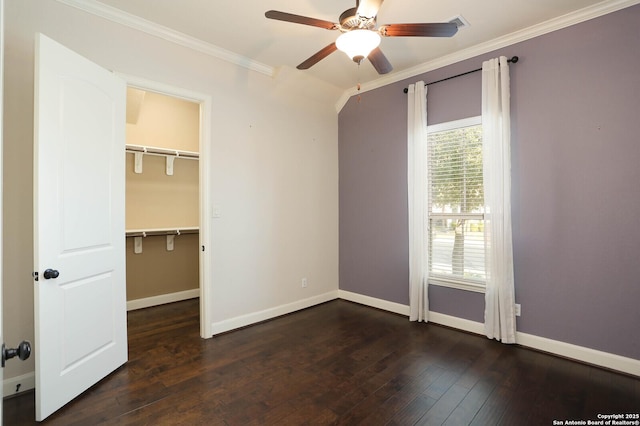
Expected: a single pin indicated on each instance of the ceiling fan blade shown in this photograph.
(369, 8)
(379, 61)
(297, 19)
(445, 29)
(314, 59)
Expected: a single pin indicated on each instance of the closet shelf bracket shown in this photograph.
(170, 160)
(137, 168)
(170, 233)
(170, 240)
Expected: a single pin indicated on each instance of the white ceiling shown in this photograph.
(241, 27)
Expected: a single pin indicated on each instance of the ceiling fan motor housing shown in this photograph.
(350, 20)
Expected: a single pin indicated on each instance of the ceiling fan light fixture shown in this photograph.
(358, 43)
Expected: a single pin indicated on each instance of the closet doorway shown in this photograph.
(166, 169)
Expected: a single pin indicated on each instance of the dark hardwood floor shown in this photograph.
(337, 363)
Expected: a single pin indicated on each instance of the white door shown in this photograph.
(80, 293)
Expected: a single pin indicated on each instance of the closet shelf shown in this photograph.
(169, 233)
(161, 231)
(152, 150)
(170, 155)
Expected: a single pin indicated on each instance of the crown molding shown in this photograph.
(120, 17)
(582, 15)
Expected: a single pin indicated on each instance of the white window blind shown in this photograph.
(456, 204)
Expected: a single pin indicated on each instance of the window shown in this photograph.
(456, 205)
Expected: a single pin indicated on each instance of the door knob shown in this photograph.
(50, 273)
(23, 351)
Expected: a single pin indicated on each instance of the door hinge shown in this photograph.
(35, 276)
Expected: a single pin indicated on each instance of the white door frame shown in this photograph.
(204, 101)
(1, 180)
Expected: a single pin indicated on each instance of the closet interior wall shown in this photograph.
(156, 200)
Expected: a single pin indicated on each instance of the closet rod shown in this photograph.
(513, 60)
(187, 155)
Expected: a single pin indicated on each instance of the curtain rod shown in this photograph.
(513, 60)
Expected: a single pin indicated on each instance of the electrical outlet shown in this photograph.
(305, 283)
(518, 309)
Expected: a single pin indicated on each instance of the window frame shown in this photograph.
(468, 284)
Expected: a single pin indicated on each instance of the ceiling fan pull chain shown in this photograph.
(358, 85)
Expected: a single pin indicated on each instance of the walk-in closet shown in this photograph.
(162, 199)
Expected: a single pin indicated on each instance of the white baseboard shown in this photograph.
(580, 353)
(457, 323)
(18, 384)
(555, 347)
(162, 299)
(385, 305)
(255, 317)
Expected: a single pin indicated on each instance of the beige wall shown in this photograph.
(164, 122)
(157, 271)
(273, 163)
(157, 200)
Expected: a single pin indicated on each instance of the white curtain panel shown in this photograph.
(418, 202)
(499, 315)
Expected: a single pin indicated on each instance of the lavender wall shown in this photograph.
(575, 97)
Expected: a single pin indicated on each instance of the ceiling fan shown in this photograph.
(361, 36)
